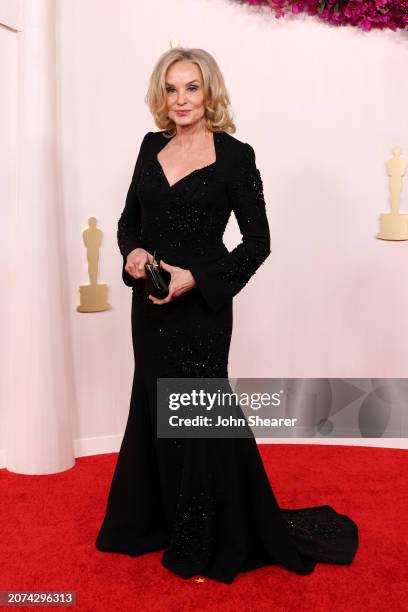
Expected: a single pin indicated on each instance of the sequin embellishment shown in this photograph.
(193, 535)
(313, 523)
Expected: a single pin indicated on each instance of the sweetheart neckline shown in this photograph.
(183, 177)
(215, 141)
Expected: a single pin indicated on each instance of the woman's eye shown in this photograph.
(192, 88)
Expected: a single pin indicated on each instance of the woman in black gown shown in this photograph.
(207, 502)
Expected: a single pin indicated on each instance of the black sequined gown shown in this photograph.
(206, 502)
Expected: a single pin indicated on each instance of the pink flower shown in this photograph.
(364, 14)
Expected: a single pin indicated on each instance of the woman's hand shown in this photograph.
(135, 262)
(181, 281)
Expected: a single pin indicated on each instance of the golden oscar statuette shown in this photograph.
(394, 225)
(93, 297)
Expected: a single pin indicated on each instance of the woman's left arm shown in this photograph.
(221, 280)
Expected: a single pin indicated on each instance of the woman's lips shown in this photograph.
(182, 112)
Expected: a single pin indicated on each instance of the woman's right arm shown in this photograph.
(129, 224)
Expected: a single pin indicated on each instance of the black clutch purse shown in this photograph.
(157, 281)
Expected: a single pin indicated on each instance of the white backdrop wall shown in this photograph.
(322, 106)
(8, 196)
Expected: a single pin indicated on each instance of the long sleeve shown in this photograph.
(129, 223)
(224, 278)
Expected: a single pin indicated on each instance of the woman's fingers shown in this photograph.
(157, 300)
(136, 266)
(165, 300)
(180, 288)
(131, 268)
(167, 266)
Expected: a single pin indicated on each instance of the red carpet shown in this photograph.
(49, 524)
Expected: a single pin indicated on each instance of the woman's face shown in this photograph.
(185, 96)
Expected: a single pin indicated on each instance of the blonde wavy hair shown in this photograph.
(216, 98)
